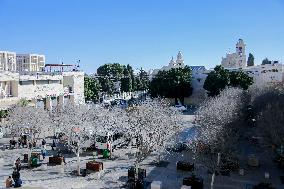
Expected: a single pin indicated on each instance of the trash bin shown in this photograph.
(106, 154)
(84, 172)
(34, 162)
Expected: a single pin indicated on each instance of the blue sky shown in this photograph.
(143, 33)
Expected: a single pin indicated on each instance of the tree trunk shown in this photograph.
(212, 180)
(181, 100)
(78, 163)
(78, 158)
(176, 100)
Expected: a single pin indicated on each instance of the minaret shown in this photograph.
(179, 61)
(172, 62)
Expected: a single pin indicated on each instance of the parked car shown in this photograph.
(178, 147)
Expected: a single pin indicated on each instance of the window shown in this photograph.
(54, 81)
(26, 82)
(41, 82)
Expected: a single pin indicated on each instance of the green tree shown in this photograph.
(3, 113)
(216, 81)
(220, 78)
(112, 70)
(91, 89)
(106, 84)
(240, 79)
(143, 81)
(250, 60)
(126, 83)
(174, 83)
(265, 61)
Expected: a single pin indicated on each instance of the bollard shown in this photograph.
(156, 185)
(242, 172)
(185, 187)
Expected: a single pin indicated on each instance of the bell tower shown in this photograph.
(241, 53)
(179, 61)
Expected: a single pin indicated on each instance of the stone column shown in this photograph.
(60, 101)
(72, 98)
(48, 103)
(1, 89)
(34, 101)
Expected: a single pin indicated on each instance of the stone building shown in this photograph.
(42, 89)
(179, 63)
(237, 59)
(7, 61)
(30, 62)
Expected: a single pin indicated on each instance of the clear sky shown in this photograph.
(143, 33)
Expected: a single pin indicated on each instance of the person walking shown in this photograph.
(18, 164)
(43, 151)
(16, 174)
(19, 142)
(43, 142)
(53, 145)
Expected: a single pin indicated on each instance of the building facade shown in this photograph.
(30, 62)
(23, 77)
(7, 61)
(179, 63)
(46, 90)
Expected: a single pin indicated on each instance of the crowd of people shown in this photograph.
(15, 180)
(23, 141)
(15, 175)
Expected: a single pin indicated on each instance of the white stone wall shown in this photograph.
(75, 80)
(40, 86)
(198, 93)
(39, 91)
(265, 74)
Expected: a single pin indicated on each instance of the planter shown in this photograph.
(94, 166)
(55, 160)
(156, 185)
(194, 182)
(185, 166)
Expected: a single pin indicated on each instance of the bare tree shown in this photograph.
(268, 106)
(152, 123)
(75, 121)
(27, 119)
(215, 118)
